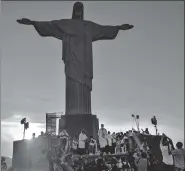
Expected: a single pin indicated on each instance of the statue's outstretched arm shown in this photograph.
(126, 27)
(105, 32)
(44, 28)
(25, 21)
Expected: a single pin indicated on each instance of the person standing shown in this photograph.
(142, 162)
(92, 146)
(102, 134)
(81, 142)
(118, 145)
(33, 136)
(136, 156)
(147, 131)
(113, 142)
(64, 140)
(74, 145)
(41, 134)
(125, 144)
(179, 157)
(166, 149)
(109, 143)
(125, 164)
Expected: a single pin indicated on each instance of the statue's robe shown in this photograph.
(77, 37)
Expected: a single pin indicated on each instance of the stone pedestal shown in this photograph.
(29, 153)
(75, 123)
(21, 155)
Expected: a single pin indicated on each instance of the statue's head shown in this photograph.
(78, 11)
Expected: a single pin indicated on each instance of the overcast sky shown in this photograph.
(141, 71)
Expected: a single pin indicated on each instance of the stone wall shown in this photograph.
(75, 123)
(26, 153)
(154, 142)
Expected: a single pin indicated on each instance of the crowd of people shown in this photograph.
(114, 152)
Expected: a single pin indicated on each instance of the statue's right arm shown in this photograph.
(25, 21)
(44, 28)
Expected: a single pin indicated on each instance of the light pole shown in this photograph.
(26, 126)
(137, 122)
(154, 122)
(133, 118)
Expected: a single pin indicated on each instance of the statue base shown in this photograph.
(75, 123)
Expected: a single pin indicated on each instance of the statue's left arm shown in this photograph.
(106, 32)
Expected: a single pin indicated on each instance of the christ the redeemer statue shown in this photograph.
(77, 36)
